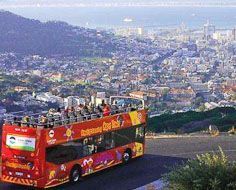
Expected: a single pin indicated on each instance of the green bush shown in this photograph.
(206, 172)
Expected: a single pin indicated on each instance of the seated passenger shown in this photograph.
(64, 119)
(72, 117)
(106, 110)
(85, 112)
(103, 103)
(66, 111)
(114, 109)
(79, 116)
(25, 121)
(32, 122)
(98, 112)
(57, 119)
(80, 107)
(134, 107)
(39, 124)
(43, 121)
(16, 121)
(140, 107)
(51, 111)
(120, 108)
(129, 108)
(94, 113)
(72, 109)
(50, 119)
(99, 108)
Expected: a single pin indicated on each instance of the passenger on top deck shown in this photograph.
(59, 110)
(16, 121)
(66, 111)
(56, 117)
(98, 112)
(79, 116)
(85, 112)
(106, 110)
(99, 108)
(43, 120)
(25, 121)
(32, 121)
(51, 117)
(72, 115)
(114, 108)
(80, 107)
(72, 109)
(103, 103)
(128, 109)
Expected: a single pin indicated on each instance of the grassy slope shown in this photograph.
(223, 118)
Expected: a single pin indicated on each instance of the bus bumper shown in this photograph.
(22, 181)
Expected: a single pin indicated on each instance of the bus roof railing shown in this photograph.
(126, 97)
(59, 119)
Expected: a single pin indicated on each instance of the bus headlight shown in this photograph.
(31, 165)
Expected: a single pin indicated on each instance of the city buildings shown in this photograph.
(173, 69)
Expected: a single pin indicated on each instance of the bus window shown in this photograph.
(109, 140)
(124, 136)
(139, 135)
(88, 146)
(64, 153)
(78, 145)
(99, 143)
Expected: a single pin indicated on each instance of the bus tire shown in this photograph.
(75, 174)
(127, 156)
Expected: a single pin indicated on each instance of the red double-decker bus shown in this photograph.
(45, 157)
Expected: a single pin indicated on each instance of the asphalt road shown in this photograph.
(160, 155)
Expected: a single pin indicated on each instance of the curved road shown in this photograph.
(160, 154)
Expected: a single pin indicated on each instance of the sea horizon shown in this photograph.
(146, 17)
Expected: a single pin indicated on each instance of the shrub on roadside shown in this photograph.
(206, 172)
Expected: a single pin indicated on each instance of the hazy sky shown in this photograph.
(116, 2)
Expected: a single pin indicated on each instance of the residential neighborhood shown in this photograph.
(173, 69)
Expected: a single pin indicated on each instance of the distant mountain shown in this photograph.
(26, 36)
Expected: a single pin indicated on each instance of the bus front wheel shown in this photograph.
(75, 174)
(127, 156)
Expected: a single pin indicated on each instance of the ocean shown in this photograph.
(147, 17)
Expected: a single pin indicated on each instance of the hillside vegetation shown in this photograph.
(27, 36)
(224, 118)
